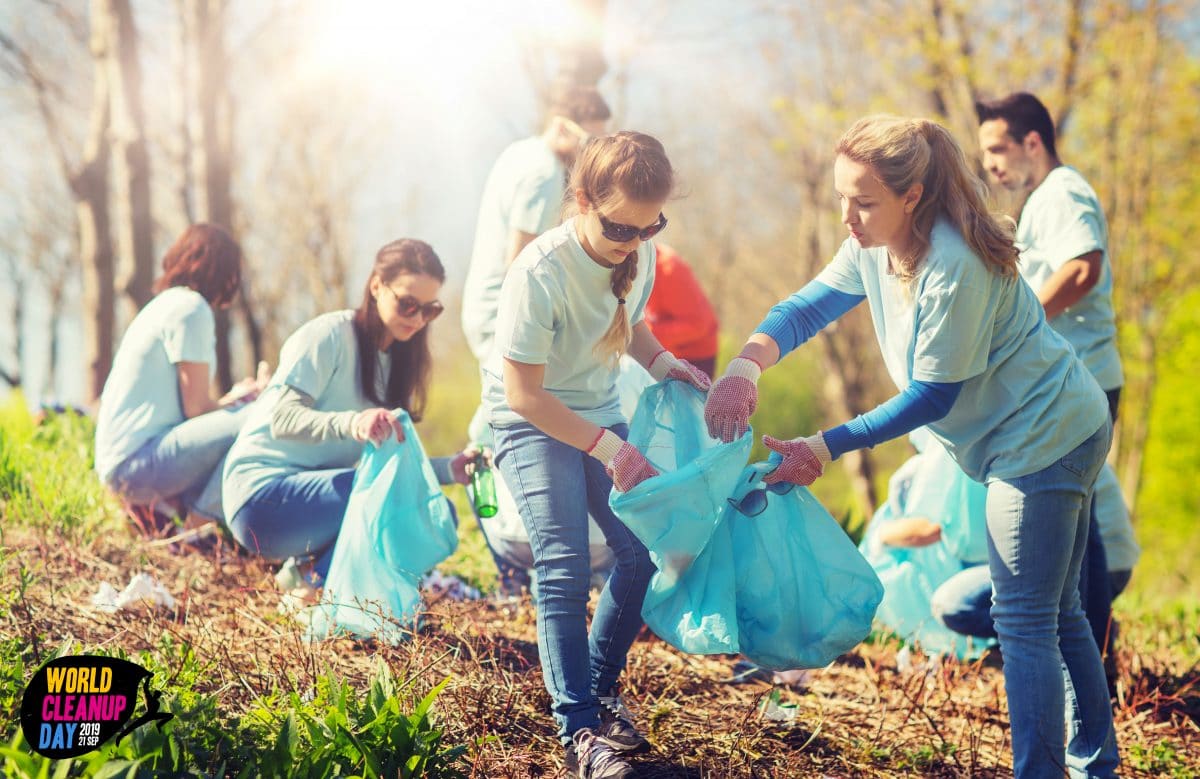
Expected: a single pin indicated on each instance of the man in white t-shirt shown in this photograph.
(522, 199)
(1063, 239)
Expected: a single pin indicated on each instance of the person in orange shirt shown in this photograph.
(679, 313)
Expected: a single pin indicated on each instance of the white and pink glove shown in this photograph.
(622, 462)
(804, 459)
(667, 366)
(732, 400)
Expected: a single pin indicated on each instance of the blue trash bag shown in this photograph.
(398, 524)
(941, 492)
(786, 587)
(911, 575)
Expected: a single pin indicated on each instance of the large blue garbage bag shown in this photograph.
(932, 486)
(398, 524)
(785, 587)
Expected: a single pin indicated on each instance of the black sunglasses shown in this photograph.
(407, 305)
(619, 233)
(755, 501)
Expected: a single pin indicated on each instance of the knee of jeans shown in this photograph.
(243, 532)
(1022, 622)
(564, 576)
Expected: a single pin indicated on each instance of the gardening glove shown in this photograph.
(667, 366)
(804, 459)
(732, 400)
(624, 464)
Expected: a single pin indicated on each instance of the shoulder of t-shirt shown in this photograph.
(1065, 181)
(533, 160)
(952, 260)
(185, 299)
(334, 325)
(543, 255)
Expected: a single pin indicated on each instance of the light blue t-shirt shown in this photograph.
(524, 192)
(321, 360)
(1026, 400)
(1062, 220)
(555, 305)
(141, 399)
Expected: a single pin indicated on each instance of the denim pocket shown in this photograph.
(1082, 458)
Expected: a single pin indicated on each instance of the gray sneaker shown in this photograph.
(589, 757)
(616, 727)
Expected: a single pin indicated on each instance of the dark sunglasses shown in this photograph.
(754, 502)
(619, 233)
(407, 305)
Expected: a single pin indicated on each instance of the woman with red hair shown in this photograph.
(160, 434)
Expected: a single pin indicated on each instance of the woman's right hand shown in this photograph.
(732, 400)
(375, 425)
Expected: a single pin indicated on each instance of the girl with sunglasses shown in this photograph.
(288, 475)
(966, 341)
(570, 306)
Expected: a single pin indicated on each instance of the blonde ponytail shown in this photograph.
(616, 338)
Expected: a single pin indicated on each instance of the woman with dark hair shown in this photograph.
(288, 476)
(159, 433)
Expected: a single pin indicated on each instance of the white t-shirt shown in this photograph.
(1026, 400)
(524, 192)
(321, 360)
(555, 305)
(141, 398)
(1062, 220)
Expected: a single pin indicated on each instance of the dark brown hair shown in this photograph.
(412, 363)
(206, 259)
(1024, 114)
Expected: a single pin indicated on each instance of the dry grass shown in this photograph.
(859, 717)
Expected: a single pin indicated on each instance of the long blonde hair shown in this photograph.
(903, 152)
(634, 166)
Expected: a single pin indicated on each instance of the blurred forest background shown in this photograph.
(318, 131)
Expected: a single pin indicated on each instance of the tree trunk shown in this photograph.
(211, 152)
(89, 186)
(132, 162)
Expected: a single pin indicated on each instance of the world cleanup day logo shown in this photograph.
(74, 704)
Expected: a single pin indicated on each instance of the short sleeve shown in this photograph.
(954, 325)
(527, 303)
(191, 336)
(1070, 228)
(646, 257)
(309, 358)
(537, 202)
(843, 272)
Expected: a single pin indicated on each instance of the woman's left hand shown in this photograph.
(666, 366)
(462, 465)
(804, 459)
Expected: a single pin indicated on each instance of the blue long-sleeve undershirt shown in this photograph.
(920, 403)
(795, 320)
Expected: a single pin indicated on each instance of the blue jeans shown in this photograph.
(180, 462)
(554, 486)
(1037, 533)
(296, 516)
(963, 603)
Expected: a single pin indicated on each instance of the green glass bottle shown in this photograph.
(483, 488)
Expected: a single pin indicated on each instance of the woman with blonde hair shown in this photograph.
(967, 344)
(571, 304)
